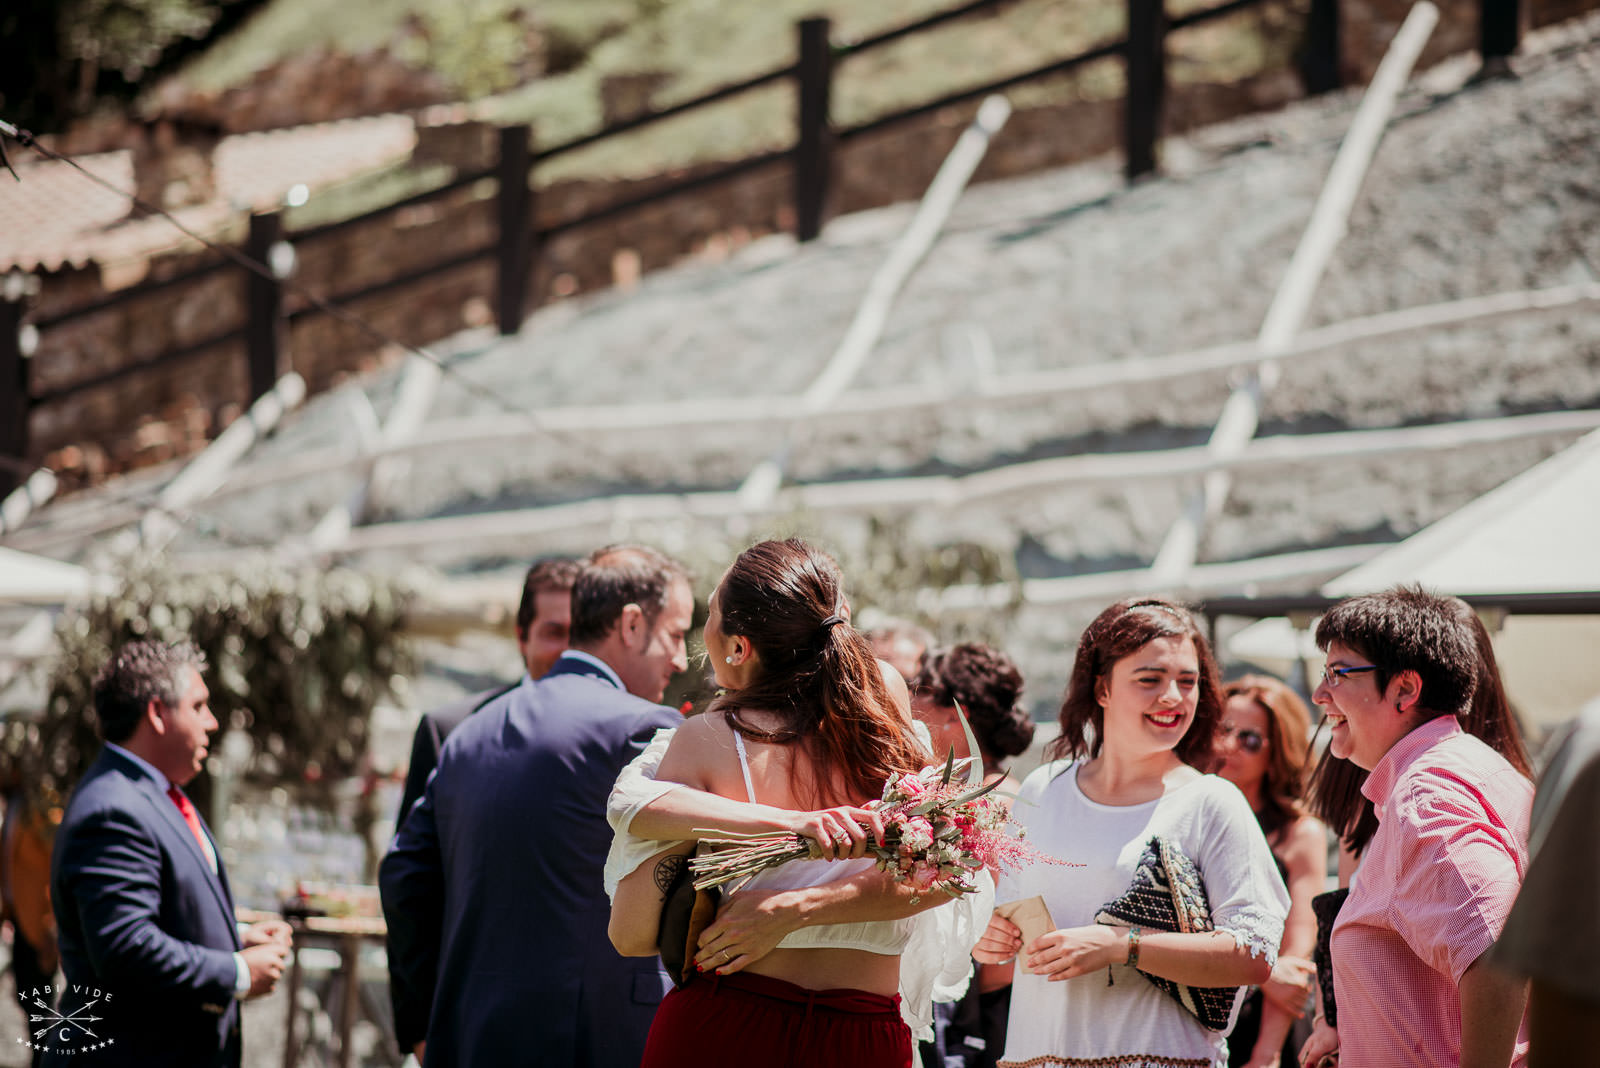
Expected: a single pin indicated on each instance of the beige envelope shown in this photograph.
(1031, 917)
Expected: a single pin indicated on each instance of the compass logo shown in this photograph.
(71, 1026)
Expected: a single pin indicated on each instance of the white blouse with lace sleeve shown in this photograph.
(635, 788)
(1116, 1016)
(936, 964)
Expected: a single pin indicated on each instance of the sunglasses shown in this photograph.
(1250, 741)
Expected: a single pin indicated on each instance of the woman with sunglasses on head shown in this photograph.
(1262, 743)
(1130, 764)
(1444, 859)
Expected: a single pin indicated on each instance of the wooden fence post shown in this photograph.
(1499, 31)
(13, 387)
(264, 306)
(516, 230)
(813, 150)
(1319, 59)
(1145, 56)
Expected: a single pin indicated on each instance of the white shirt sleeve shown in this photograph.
(936, 964)
(241, 977)
(635, 788)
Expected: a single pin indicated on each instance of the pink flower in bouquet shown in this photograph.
(907, 787)
(916, 835)
(939, 832)
(924, 875)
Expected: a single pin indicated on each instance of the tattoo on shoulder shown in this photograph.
(668, 869)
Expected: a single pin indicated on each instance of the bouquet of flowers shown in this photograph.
(939, 830)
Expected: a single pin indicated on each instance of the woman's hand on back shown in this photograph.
(841, 833)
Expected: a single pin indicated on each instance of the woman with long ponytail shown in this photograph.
(805, 722)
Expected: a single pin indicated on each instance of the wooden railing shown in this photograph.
(520, 240)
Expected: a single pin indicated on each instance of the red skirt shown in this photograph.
(733, 1021)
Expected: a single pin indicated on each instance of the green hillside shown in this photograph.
(694, 45)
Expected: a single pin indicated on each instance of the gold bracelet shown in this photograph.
(1133, 947)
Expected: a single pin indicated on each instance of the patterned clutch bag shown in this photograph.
(1168, 895)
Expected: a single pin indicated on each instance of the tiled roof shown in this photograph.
(56, 217)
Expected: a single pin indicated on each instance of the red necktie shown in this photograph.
(192, 818)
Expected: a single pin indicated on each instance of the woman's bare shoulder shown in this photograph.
(1307, 830)
(703, 727)
(698, 750)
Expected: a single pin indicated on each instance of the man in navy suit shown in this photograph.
(493, 887)
(544, 618)
(154, 964)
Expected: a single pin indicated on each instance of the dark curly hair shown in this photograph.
(138, 673)
(1120, 631)
(988, 687)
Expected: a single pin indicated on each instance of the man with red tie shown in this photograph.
(154, 964)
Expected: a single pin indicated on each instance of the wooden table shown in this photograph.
(348, 934)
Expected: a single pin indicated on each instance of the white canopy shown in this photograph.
(29, 579)
(1535, 533)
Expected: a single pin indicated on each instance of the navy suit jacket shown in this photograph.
(142, 919)
(493, 888)
(432, 729)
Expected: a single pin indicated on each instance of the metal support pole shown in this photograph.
(1499, 31)
(264, 307)
(516, 238)
(1145, 63)
(1237, 423)
(1319, 59)
(13, 391)
(813, 150)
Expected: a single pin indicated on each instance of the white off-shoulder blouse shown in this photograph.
(934, 946)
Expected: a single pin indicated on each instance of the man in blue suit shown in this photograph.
(154, 964)
(493, 887)
(544, 617)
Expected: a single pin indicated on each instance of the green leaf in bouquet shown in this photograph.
(973, 795)
(974, 771)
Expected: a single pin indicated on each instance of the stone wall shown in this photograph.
(172, 408)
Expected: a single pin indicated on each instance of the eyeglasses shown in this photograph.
(1250, 741)
(1333, 676)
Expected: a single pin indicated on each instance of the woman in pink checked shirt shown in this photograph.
(1443, 867)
